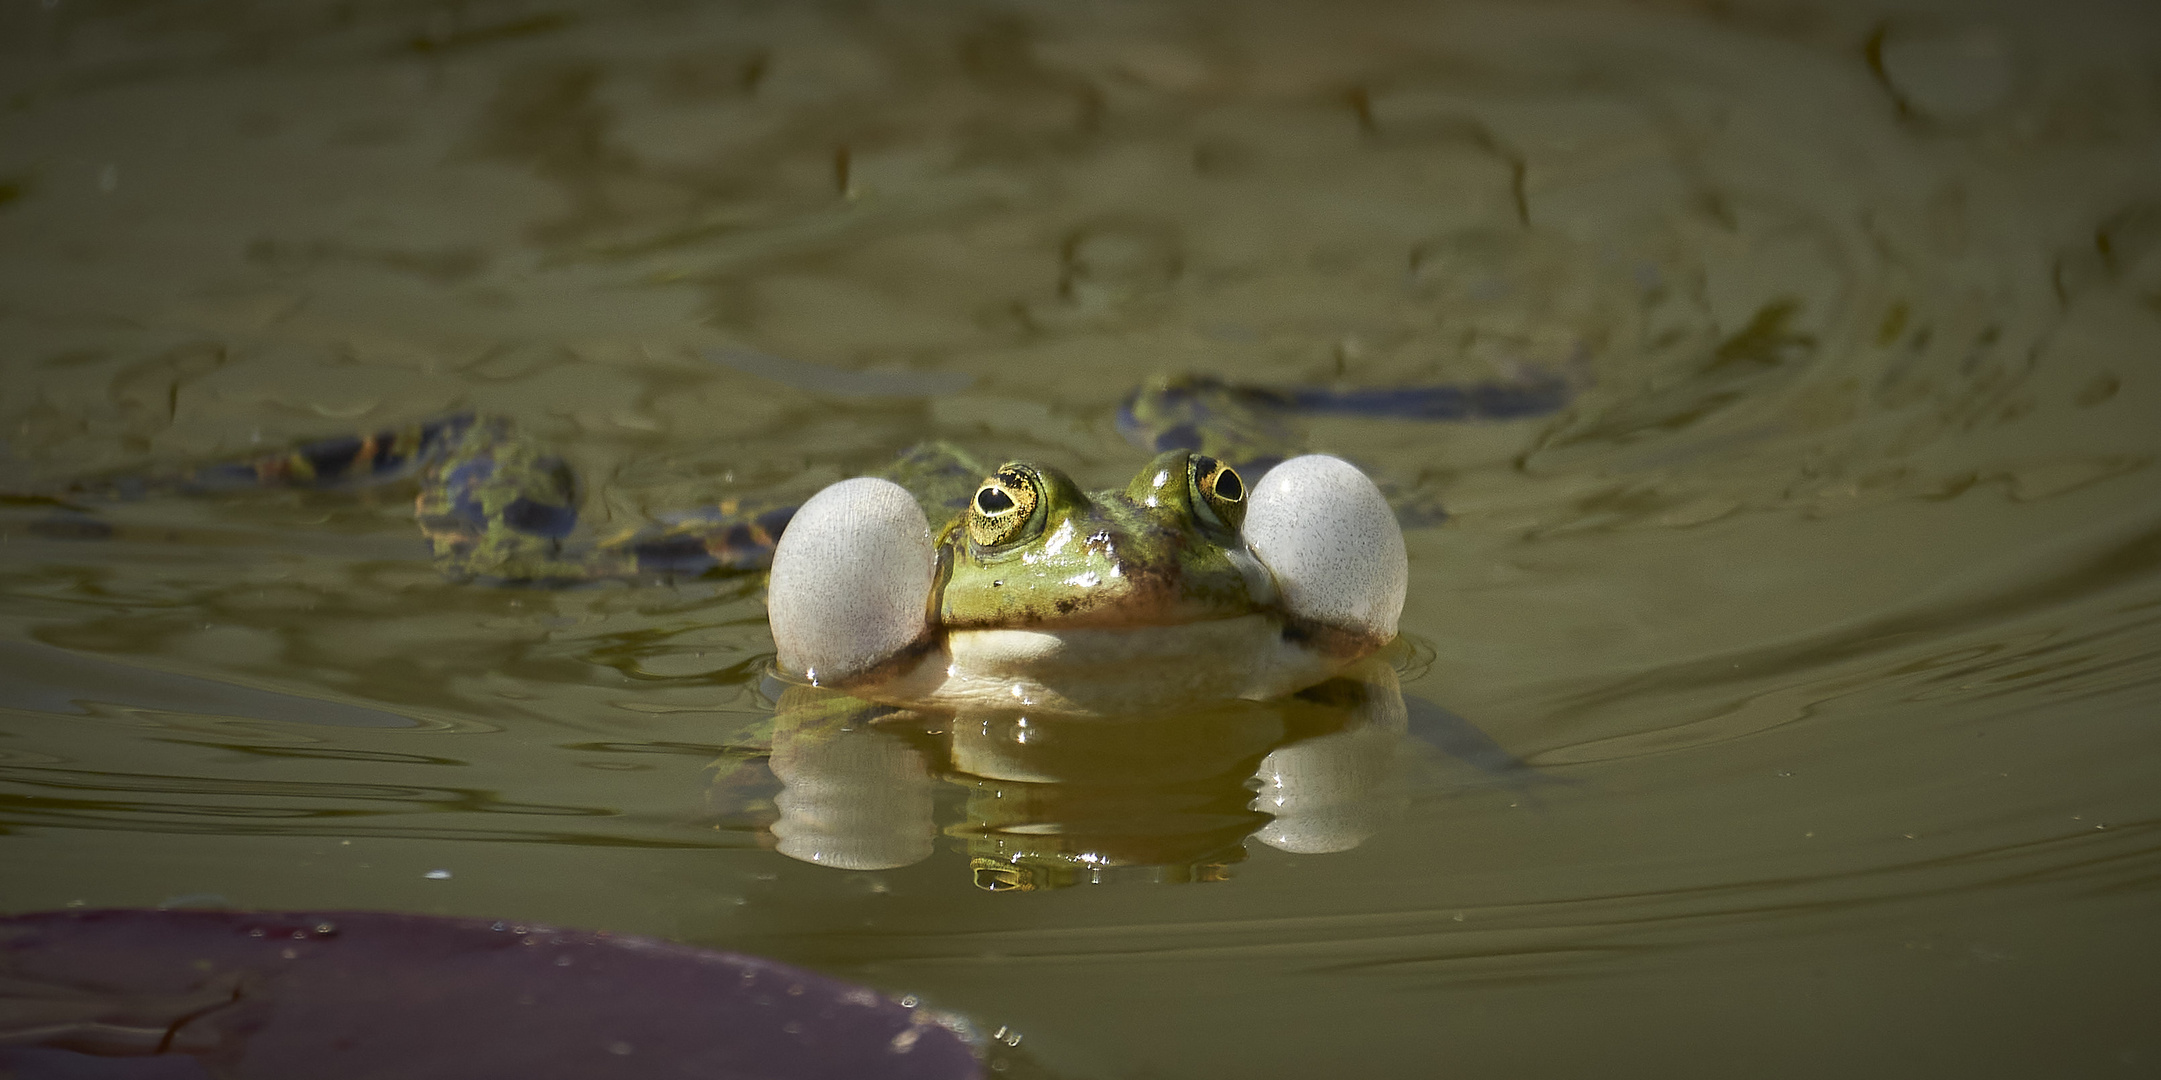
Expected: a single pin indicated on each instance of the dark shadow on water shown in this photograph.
(41, 678)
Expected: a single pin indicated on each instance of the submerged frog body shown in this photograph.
(1182, 586)
(1192, 582)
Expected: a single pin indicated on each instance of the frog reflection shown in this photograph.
(1054, 801)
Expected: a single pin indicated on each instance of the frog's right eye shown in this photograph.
(1003, 507)
(1218, 491)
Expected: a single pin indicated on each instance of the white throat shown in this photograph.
(1101, 670)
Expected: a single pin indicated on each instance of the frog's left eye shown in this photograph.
(1218, 489)
(1002, 508)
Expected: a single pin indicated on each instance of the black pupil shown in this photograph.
(993, 501)
(1228, 487)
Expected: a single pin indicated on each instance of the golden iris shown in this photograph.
(1220, 490)
(1002, 507)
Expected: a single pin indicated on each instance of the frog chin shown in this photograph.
(1107, 670)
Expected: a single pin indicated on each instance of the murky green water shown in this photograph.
(1827, 617)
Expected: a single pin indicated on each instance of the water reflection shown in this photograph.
(1055, 801)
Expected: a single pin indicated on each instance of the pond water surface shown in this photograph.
(1784, 704)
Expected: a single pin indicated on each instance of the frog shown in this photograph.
(1230, 566)
(1185, 585)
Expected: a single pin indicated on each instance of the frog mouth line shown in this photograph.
(1113, 669)
(1166, 642)
(1103, 670)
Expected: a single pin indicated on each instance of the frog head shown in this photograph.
(1034, 551)
(1186, 585)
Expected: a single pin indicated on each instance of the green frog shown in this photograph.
(1224, 569)
(1183, 586)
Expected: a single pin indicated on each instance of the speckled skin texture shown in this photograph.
(1144, 555)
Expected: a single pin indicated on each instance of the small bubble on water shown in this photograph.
(908, 1001)
(437, 875)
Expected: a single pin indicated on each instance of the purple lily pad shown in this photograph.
(191, 995)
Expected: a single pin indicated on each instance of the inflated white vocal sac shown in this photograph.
(851, 579)
(1331, 541)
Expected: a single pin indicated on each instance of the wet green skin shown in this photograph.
(1156, 553)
